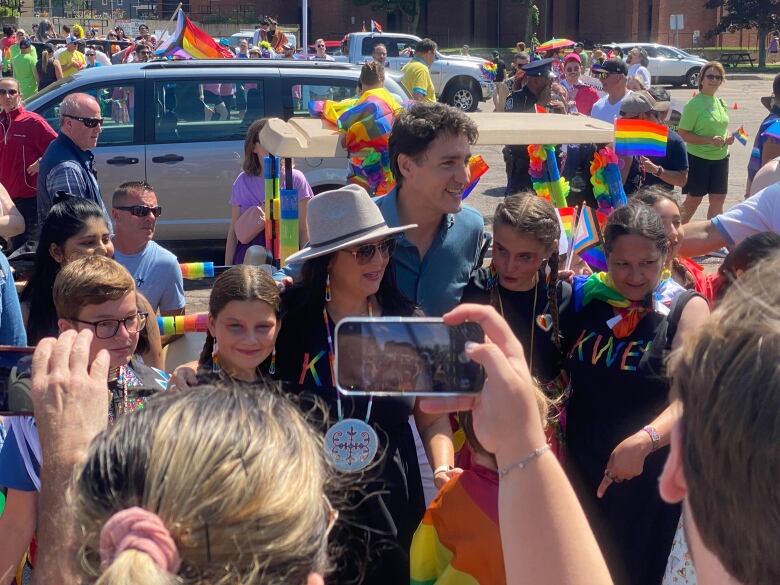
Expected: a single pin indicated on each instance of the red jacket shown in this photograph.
(24, 137)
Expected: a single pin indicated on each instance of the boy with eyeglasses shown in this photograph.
(92, 293)
(68, 164)
(156, 271)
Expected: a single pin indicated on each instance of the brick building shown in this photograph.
(489, 23)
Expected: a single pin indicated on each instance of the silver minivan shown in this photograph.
(180, 125)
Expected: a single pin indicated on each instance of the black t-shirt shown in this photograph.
(500, 69)
(517, 309)
(676, 159)
(610, 401)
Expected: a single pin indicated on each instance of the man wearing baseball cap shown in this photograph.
(613, 74)
(579, 50)
(71, 58)
(668, 171)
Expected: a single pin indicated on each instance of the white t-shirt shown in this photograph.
(759, 213)
(637, 70)
(606, 111)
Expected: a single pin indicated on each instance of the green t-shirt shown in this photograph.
(706, 115)
(24, 72)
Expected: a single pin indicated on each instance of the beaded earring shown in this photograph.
(492, 279)
(215, 359)
(272, 368)
(328, 296)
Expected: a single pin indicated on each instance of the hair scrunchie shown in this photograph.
(141, 530)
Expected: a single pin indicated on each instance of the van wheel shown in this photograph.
(692, 78)
(464, 97)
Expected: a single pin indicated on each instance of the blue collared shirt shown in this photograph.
(435, 282)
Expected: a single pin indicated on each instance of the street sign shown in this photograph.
(676, 22)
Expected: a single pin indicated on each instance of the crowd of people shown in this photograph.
(225, 468)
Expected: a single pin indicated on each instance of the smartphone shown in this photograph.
(410, 356)
(16, 380)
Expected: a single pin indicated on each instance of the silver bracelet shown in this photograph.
(535, 454)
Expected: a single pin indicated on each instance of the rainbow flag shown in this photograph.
(458, 541)
(640, 138)
(568, 217)
(588, 243)
(477, 168)
(190, 42)
(741, 136)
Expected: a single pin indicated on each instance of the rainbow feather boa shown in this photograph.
(606, 180)
(545, 176)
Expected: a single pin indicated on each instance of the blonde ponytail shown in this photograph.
(132, 567)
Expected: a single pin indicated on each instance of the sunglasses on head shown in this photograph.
(365, 253)
(141, 210)
(9, 92)
(88, 122)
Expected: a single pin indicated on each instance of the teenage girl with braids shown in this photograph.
(522, 284)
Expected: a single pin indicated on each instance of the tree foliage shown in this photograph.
(763, 15)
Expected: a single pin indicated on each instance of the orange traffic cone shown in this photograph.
(736, 107)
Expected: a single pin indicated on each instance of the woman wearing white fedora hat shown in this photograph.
(348, 271)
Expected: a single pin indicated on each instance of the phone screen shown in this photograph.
(15, 380)
(410, 356)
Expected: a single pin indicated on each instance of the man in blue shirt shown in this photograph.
(429, 151)
(765, 147)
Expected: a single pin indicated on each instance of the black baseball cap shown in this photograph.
(613, 65)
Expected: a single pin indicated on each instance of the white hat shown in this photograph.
(342, 218)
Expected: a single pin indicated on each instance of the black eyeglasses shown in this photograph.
(107, 328)
(365, 253)
(141, 210)
(713, 77)
(9, 92)
(88, 122)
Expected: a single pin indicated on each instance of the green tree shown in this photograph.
(531, 23)
(410, 9)
(763, 15)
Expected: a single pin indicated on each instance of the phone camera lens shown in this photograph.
(463, 358)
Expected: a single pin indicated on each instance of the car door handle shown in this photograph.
(122, 160)
(166, 158)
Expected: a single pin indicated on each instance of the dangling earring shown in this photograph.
(215, 359)
(492, 279)
(272, 368)
(666, 274)
(328, 296)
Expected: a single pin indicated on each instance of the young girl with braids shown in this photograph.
(522, 279)
(522, 284)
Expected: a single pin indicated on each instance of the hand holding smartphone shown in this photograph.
(410, 356)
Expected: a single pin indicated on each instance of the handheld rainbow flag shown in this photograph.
(198, 270)
(640, 138)
(477, 168)
(607, 181)
(568, 217)
(190, 42)
(588, 240)
(773, 131)
(741, 136)
(545, 176)
(180, 324)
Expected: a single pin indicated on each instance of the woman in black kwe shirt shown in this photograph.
(618, 418)
(348, 271)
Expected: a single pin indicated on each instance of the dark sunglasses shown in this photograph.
(141, 210)
(9, 92)
(713, 77)
(88, 122)
(365, 253)
(320, 46)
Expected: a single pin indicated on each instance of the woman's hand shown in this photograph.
(717, 141)
(442, 477)
(183, 378)
(627, 460)
(730, 139)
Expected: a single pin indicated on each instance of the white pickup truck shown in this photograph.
(459, 81)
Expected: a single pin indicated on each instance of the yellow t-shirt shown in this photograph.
(66, 58)
(417, 79)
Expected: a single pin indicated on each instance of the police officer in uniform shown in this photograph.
(538, 78)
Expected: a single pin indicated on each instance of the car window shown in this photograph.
(193, 111)
(667, 53)
(651, 51)
(117, 107)
(336, 90)
(404, 47)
